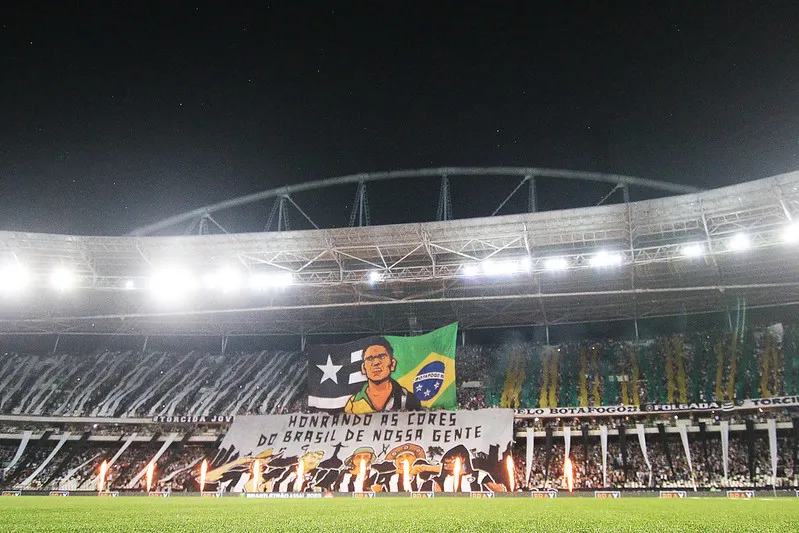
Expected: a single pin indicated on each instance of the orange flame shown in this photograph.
(359, 480)
(458, 468)
(568, 473)
(511, 473)
(406, 474)
(203, 472)
(150, 474)
(101, 479)
(300, 474)
(256, 474)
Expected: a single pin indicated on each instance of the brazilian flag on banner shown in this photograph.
(427, 366)
(385, 373)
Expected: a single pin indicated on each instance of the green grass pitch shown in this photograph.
(77, 513)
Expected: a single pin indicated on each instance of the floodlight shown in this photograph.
(471, 269)
(62, 279)
(556, 263)
(375, 276)
(605, 259)
(501, 268)
(791, 233)
(172, 282)
(740, 242)
(271, 280)
(693, 250)
(13, 278)
(526, 264)
(226, 279)
(130, 285)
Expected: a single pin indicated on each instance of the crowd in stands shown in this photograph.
(76, 465)
(669, 468)
(717, 365)
(720, 366)
(114, 384)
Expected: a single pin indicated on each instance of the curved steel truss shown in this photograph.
(663, 257)
(528, 176)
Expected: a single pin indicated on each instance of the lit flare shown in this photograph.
(511, 473)
(568, 473)
(359, 480)
(101, 479)
(150, 475)
(256, 474)
(203, 472)
(300, 474)
(458, 468)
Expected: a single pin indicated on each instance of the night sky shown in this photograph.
(114, 117)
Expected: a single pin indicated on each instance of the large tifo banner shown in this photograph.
(385, 373)
(449, 451)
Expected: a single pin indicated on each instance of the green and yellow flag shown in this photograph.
(426, 365)
(385, 373)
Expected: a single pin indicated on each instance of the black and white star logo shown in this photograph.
(329, 371)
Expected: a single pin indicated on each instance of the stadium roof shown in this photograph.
(693, 253)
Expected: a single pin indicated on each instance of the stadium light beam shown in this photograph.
(605, 259)
(375, 276)
(506, 267)
(226, 279)
(14, 278)
(555, 264)
(693, 250)
(471, 270)
(740, 242)
(62, 279)
(172, 283)
(791, 233)
(262, 281)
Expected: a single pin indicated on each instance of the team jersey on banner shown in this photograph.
(389, 452)
(384, 373)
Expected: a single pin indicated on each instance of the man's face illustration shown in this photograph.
(377, 363)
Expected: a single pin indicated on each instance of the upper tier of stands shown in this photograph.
(715, 365)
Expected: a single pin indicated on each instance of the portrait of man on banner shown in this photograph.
(381, 392)
(384, 373)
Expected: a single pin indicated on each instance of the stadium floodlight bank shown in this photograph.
(741, 494)
(431, 494)
(673, 494)
(544, 494)
(607, 494)
(481, 494)
(109, 494)
(59, 493)
(12, 493)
